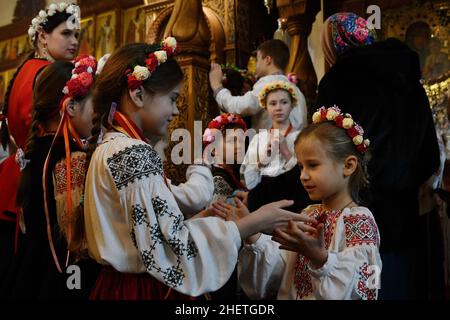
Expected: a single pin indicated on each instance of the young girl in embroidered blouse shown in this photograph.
(133, 224)
(231, 129)
(271, 153)
(336, 257)
(51, 205)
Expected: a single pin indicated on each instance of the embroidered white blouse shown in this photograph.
(351, 272)
(133, 222)
(248, 104)
(278, 165)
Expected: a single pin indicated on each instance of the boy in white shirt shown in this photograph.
(272, 57)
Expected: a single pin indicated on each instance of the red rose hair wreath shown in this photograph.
(158, 55)
(344, 121)
(219, 123)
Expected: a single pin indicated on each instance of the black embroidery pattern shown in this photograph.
(173, 275)
(134, 163)
(139, 215)
(191, 250)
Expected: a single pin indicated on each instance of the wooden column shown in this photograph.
(300, 15)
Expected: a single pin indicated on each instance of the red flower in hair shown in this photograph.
(339, 120)
(82, 78)
(361, 147)
(323, 114)
(86, 79)
(151, 62)
(76, 88)
(352, 132)
(133, 83)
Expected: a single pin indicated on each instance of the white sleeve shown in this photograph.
(249, 167)
(246, 105)
(192, 257)
(196, 193)
(354, 272)
(261, 268)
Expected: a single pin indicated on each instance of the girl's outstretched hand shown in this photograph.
(229, 212)
(304, 239)
(269, 217)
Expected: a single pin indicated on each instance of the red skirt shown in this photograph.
(9, 183)
(114, 285)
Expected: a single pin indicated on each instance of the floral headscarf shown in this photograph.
(343, 31)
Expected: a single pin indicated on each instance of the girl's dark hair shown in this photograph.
(112, 83)
(339, 146)
(234, 81)
(55, 20)
(52, 22)
(46, 98)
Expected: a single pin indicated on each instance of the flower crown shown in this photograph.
(345, 121)
(41, 19)
(278, 85)
(219, 123)
(168, 48)
(82, 77)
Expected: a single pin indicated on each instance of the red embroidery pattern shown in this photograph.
(302, 279)
(362, 287)
(360, 229)
(78, 162)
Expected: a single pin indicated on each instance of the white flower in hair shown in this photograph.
(161, 55)
(316, 117)
(53, 6)
(51, 12)
(70, 10)
(332, 114)
(42, 14)
(65, 90)
(74, 76)
(63, 6)
(141, 73)
(347, 123)
(101, 62)
(31, 32)
(171, 42)
(358, 140)
(89, 70)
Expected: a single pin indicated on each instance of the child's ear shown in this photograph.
(69, 106)
(137, 96)
(268, 60)
(350, 165)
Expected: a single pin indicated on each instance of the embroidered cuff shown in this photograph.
(325, 269)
